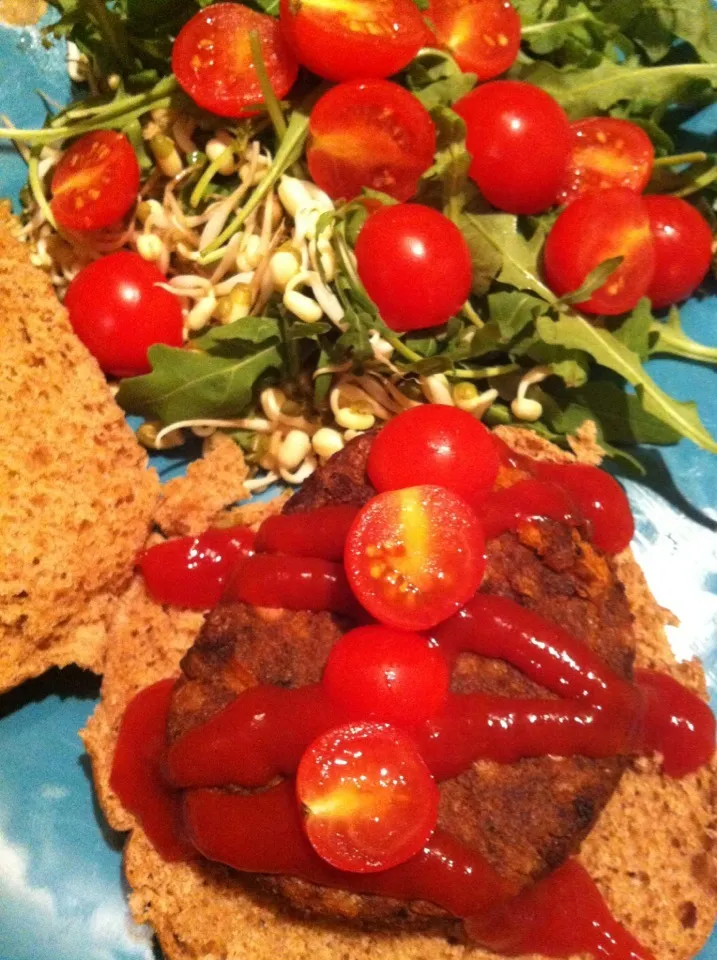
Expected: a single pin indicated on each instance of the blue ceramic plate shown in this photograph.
(62, 896)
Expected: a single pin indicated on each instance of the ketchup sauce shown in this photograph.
(293, 583)
(524, 502)
(320, 532)
(192, 571)
(137, 772)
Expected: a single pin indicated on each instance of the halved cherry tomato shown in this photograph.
(191, 571)
(482, 35)
(438, 445)
(415, 265)
(352, 39)
(393, 676)
(519, 138)
(96, 181)
(606, 152)
(415, 556)
(683, 249)
(118, 311)
(213, 63)
(596, 227)
(368, 798)
(370, 133)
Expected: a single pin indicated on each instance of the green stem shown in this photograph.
(33, 178)
(273, 107)
(288, 152)
(678, 158)
(112, 29)
(537, 28)
(678, 345)
(120, 104)
(48, 135)
(208, 175)
(485, 372)
(470, 314)
(400, 347)
(699, 183)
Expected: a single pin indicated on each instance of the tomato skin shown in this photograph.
(482, 35)
(95, 182)
(415, 266)
(438, 445)
(519, 138)
(369, 133)
(595, 227)
(392, 676)
(333, 41)
(212, 59)
(606, 152)
(368, 798)
(415, 556)
(683, 249)
(191, 571)
(119, 312)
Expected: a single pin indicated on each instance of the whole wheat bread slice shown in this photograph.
(76, 496)
(651, 852)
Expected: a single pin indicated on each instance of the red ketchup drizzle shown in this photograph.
(314, 533)
(191, 571)
(293, 583)
(598, 497)
(137, 776)
(562, 915)
(523, 502)
(263, 834)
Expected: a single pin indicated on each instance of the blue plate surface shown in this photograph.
(62, 896)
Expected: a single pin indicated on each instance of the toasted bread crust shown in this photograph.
(651, 852)
(76, 496)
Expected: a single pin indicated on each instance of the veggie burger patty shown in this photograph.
(525, 817)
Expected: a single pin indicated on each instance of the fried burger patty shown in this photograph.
(525, 817)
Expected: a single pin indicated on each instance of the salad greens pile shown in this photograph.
(651, 61)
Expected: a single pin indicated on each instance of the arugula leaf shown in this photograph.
(669, 337)
(247, 330)
(513, 310)
(576, 333)
(485, 255)
(436, 79)
(594, 280)
(634, 331)
(585, 92)
(518, 257)
(186, 384)
(619, 415)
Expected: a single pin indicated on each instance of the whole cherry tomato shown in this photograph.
(415, 266)
(482, 35)
(435, 444)
(95, 182)
(393, 676)
(213, 62)
(519, 138)
(353, 39)
(370, 133)
(191, 571)
(369, 800)
(596, 227)
(606, 152)
(118, 311)
(415, 556)
(683, 249)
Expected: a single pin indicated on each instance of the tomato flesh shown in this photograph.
(95, 182)
(415, 266)
(369, 133)
(482, 35)
(393, 676)
(353, 39)
(596, 227)
(519, 139)
(369, 800)
(118, 311)
(415, 556)
(606, 152)
(437, 445)
(192, 571)
(683, 249)
(213, 62)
